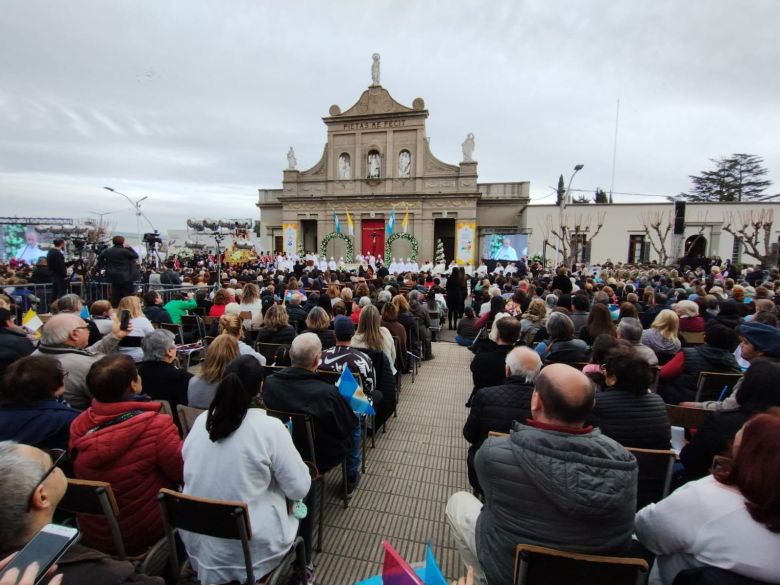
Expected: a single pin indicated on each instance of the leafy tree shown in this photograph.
(600, 196)
(740, 177)
(561, 191)
(581, 200)
(439, 252)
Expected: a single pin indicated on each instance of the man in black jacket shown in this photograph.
(57, 268)
(161, 379)
(299, 389)
(120, 262)
(153, 308)
(295, 313)
(495, 408)
(488, 368)
(170, 277)
(14, 343)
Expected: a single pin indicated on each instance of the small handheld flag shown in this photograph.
(336, 221)
(405, 222)
(433, 574)
(351, 390)
(32, 321)
(396, 571)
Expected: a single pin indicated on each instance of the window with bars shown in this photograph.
(638, 249)
(736, 251)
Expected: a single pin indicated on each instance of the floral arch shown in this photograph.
(401, 236)
(348, 255)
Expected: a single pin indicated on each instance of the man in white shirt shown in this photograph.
(30, 252)
(332, 263)
(506, 251)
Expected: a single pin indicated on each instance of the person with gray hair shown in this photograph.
(32, 487)
(300, 389)
(65, 337)
(162, 380)
(495, 408)
(72, 303)
(384, 296)
(562, 346)
(630, 329)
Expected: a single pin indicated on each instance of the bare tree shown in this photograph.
(754, 230)
(657, 225)
(570, 230)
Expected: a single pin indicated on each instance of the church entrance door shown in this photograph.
(373, 237)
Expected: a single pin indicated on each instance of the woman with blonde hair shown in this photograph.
(231, 325)
(532, 320)
(318, 322)
(371, 335)
(141, 327)
(203, 387)
(690, 319)
(346, 298)
(276, 327)
(250, 303)
(662, 335)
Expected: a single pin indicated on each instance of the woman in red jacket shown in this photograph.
(130, 445)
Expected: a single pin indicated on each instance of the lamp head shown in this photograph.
(578, 167)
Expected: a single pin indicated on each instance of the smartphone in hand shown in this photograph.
(124, 320)
(45, 548)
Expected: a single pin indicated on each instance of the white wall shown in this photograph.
(621, 220)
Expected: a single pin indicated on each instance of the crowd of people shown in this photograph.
(574, 367)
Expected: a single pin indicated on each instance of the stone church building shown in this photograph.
(377, 158)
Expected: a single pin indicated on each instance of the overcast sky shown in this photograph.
(194, 103)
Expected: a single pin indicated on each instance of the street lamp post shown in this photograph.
(566, 199)
(138, 213)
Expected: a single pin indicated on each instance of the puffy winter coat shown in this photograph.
(137, 456)
(633, 421)
(701, 358)
(576, 492)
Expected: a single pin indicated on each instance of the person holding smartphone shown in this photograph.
(33, 485)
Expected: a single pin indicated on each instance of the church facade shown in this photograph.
(377, 168)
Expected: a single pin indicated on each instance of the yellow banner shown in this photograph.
(290, 235)
(465, 242)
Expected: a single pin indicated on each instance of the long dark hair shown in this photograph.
(235, 392)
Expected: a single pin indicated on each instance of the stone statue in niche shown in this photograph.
(345, 167)
(405, 164)
(291, 161)
(375, 70)
(373, 165)
(468, 148)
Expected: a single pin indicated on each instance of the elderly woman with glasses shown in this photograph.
(31, 406)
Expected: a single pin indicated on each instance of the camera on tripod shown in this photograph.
(152, 238)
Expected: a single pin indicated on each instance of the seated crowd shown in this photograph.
(570, 374)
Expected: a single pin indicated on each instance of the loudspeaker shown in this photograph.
(679, 217)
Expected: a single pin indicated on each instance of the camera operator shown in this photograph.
(120, 262)
(58, 268)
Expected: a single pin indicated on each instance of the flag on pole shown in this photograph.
(350, 225)
(405, 222)
(391, 223)
(336, 221)
(351, 390)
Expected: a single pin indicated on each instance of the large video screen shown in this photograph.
(505, 247)
(22, 242)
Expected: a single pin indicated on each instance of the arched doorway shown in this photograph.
(695, 246)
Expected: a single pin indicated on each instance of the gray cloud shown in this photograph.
(195, 103)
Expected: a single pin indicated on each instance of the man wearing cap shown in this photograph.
(757, 340)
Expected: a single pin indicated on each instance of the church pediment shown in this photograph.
(376, 100)
(318, 170)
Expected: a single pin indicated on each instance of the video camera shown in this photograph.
(152, 238)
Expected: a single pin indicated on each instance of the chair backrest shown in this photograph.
(302, 432)
(267, 350)
(692, 337)
(655, 474)
(655, 376)
(711, 385)
(215, 518)
(165, 407)
(330, 376)
(194, 323)
(245, 315)
(547, 566)
(686, 417)
(95, 498)
(187, 416)
(176, 330)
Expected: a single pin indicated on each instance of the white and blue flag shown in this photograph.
(351, 390)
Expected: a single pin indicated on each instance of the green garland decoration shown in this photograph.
(401, 236)
(349, 255)
(300, 251)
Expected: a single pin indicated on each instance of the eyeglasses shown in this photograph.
(57, 456)
(81, 327)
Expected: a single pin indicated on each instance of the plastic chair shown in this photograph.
(187, 416)
(686, 417)
(690, 338)
(538, 565)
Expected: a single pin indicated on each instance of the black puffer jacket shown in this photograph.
(715, 436)
(701, 358)
(633, 421)
(489, 368)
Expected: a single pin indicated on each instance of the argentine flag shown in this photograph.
(351, 390)
(391, 223)
(336, 221)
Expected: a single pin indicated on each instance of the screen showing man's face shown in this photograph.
(32, 239)
(506, 242)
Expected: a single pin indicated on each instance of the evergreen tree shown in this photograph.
(740, 177)
(561, 190)
(440, 252)
(600, 196)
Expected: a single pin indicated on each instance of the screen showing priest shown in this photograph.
(505, 247)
